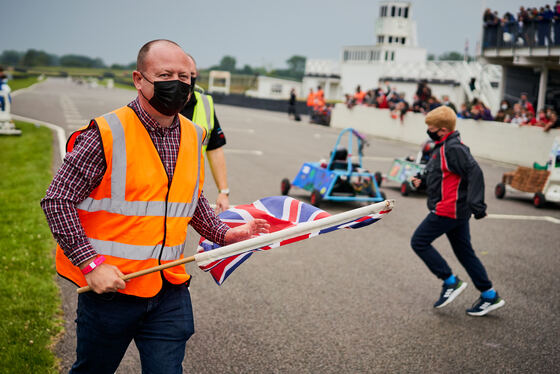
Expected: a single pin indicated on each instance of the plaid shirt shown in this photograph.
(83, 170)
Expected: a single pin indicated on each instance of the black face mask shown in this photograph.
(433, 135)
(169, 96)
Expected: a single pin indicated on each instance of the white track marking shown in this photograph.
(61, 134)
(244, 151)
(524, 218)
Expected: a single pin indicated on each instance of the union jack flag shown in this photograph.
(281, 212)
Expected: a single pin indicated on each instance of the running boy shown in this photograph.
(455, 187)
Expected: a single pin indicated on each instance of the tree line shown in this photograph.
(295, 68)
(32, 58)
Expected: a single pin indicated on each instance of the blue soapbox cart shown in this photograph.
(341, 179)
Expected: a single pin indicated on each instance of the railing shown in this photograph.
(515, 35)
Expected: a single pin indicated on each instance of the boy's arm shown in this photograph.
(461, 162)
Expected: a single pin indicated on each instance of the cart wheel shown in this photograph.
(378, 178)
(405, 188)
(316, 198)
(539, 200)
(500, 190)
(285, 186)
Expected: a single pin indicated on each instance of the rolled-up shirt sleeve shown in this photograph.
(207, 224)
(80, 173)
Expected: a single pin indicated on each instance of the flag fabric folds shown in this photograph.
(281, 212)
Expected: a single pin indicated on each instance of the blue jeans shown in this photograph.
(160, 327)
(458, 233)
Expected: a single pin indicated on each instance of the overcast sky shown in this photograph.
(256, 32)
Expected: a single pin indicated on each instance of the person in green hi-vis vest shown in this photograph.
(200, 109)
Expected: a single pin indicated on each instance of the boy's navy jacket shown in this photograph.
(454, 181)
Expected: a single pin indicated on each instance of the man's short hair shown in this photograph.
(143, 52)
(442, 117)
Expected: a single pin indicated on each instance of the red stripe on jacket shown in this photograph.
(447, 206)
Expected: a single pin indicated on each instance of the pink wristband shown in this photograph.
(92, 265)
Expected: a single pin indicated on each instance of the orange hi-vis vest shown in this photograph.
(136, 217)
(310, 99)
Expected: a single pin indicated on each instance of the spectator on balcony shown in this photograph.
(433, 103)
(417, 105)
(445, 101)
(480, 112)
(518, 116)
(350, 102)
(544, 21)
(359, 95)
(501, 116)
(530, 120)
(490, 22)
(382, 102)
(506, 107)
(525, 103)
(542, 119)
(554, 122)
(370, 99)
(533, 22)
(556, 17)
(394, 99)
(523, 24)
(509, 29)
(464, 112)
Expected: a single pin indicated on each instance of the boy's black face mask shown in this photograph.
(433, 135)
(169, 96)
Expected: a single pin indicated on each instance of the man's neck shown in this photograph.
(162, 120)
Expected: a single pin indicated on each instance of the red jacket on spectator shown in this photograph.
(382, 102)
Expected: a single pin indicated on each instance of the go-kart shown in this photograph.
(404, 169)
(341, 179)
(541, 183)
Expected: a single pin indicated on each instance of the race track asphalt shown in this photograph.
(354, 301)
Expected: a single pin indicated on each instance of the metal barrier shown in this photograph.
(515, 35)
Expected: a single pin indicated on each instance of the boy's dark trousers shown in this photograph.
(458, 233)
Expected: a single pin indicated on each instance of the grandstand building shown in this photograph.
(397, 59)
(528, 66)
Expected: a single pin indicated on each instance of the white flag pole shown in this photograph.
(205, 258)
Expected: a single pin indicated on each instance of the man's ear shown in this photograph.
(136, 78)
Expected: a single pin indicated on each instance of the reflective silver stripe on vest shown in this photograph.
(200, 134)
(117, 203)
(137, 208)
(118, 164)
(136, 252)
(209, 122)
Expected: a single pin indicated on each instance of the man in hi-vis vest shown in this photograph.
(200, 109)
(121, 202)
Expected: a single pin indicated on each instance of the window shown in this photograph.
(384, 11)
(400, 11)
(345, 55)
(393, 9)
(393, 56)
(380, 39)
(390, 39)
(386, 55)
(396, 39)
(276, 89)
(406, 12)
(403, 40)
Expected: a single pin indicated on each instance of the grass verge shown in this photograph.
(18, 84)
(29, 299)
